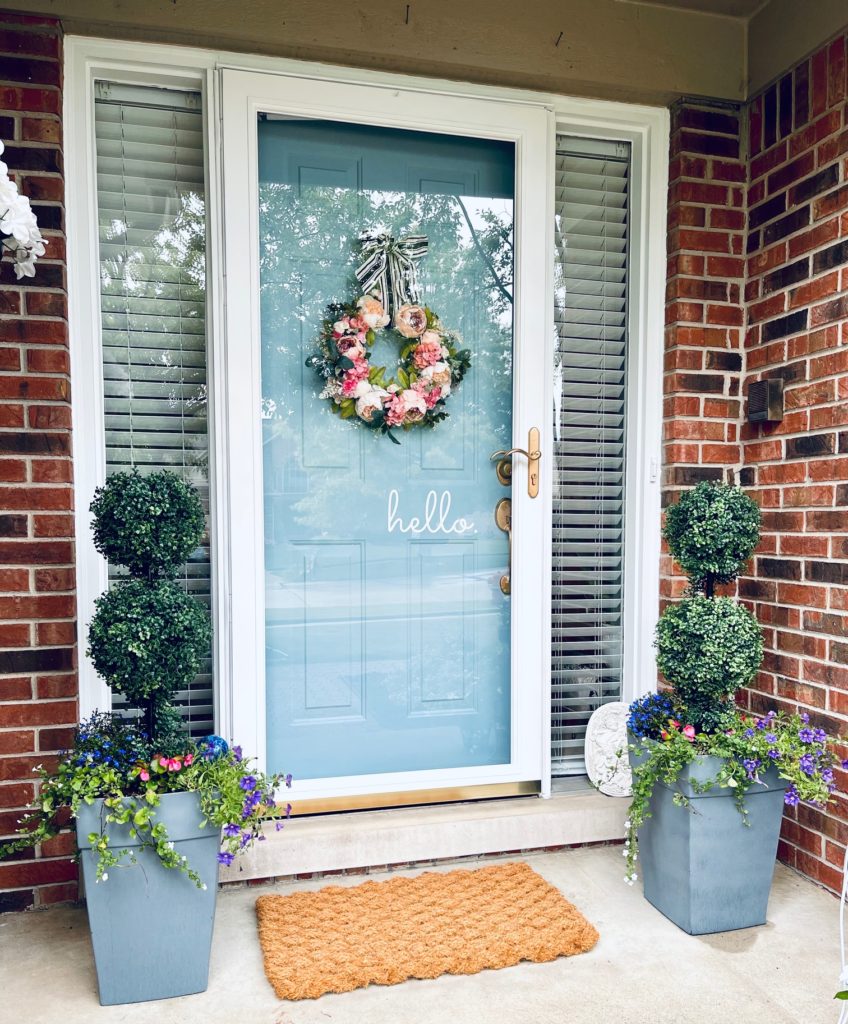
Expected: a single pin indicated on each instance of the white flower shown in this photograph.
(370, 402)
(24, 264)
(627, 824)
(364, 387)
(340, 327)
(732, 783)
(19, 221)
(8, 189)
(624, 853)
(204, 887)
(104, 877)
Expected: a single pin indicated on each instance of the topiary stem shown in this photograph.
(709, 585)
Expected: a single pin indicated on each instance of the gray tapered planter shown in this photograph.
(702, 868)
(151, 927)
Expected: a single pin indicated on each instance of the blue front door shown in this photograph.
(387, 633)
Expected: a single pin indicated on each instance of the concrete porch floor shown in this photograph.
(643, 970)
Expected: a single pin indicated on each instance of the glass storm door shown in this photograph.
(387, 633)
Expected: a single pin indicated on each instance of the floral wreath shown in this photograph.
(431, 361)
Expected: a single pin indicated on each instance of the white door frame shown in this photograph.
(88, 59)
(529, 126)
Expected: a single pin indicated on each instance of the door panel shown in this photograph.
(388, 637)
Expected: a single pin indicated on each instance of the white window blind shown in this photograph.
(152, 231)
(590, 399)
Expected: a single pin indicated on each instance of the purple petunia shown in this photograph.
(790, 797)
(827, 775)
(819, 736)
(805, 718)
(231, 830)
(248, 783)
(773, 753)
(807, 764)
(771, 738)
(749, 734)
(806, 735)
(225, 858)
(751, 764)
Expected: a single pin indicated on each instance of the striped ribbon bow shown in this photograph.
(389, 268)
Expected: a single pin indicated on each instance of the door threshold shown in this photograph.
(415, 798)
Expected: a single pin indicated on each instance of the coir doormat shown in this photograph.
(382, 933)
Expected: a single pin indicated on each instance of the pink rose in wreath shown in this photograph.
(350, 346)
(411, 321)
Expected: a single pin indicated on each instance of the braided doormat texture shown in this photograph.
(459, 922)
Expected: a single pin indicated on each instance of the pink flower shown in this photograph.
(411, 321)
(426, 353)
(415, 405)
(350, 346)
(144, 775)
(163, 762)
(395, 410)
(689, 732)
(189, 758)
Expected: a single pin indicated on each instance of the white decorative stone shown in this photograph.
(607, 764)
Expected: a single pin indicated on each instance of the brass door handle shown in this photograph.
(532, 454)
(503, 518)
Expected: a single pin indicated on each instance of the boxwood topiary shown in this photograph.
(711, 532)
(708, 648)
(147, 639)
(150, 524)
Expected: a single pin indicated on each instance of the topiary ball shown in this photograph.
(708, 648)
(150, 524)
(712, 531)
(147, 639)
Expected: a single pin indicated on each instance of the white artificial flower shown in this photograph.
(363, 388)
(24, 264)
(370, 402)
(19, 220)
(8, 189)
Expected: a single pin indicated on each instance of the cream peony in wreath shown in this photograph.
(431, 363)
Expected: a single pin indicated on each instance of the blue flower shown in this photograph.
(771, 738)
(773, 753)
(790, 797)
(225, 858)
(248, 782)
(213, 746)
(807, 765)
(231, 830)
(805, 735)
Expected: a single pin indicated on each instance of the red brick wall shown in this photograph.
(704, 314)
(797, 329)
(38, 687)
(790, 321)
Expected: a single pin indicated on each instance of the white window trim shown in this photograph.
(645, 128)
